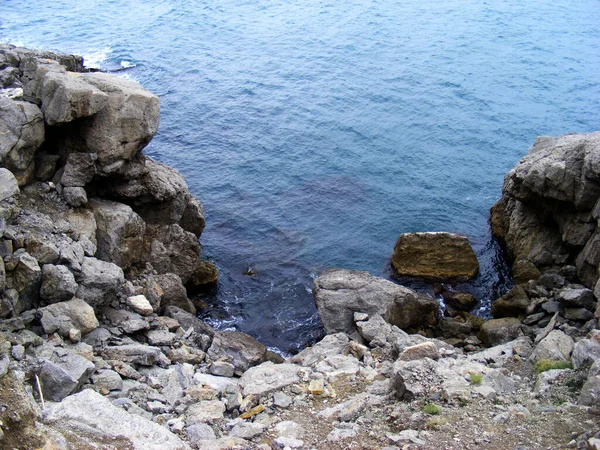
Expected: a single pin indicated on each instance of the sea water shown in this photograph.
(315, 132)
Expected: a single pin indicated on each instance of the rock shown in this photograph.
(174, 293)
(160, 337)
(79, 169)
(499, 331)
(268, 377)
(285, 442)
(580, 314)
(524, 270)
(26, 280)
(21, 134)
(64, 375)
(555, 346)
(590, 393)
(64, 316)
(515, 302)
(247, 430)
(281, 400)
(193, 217)
(125, 126)
(107, 379)
(330, 345)
(127, 321)
(219, 384)
(586, 351)
(460, 301)
(438, 256)
(199, 432)
(204, 275)
(173, 250)
(92, 417)
(244, 350)
(75, 196)
(58, 283)
(119, 233)
(202, 333)
(8, 184)
(186, 354)
(222, 369)
(133, 353)
(206, 411)
(336, 365)
(84, 225)
(419, 351)
(160, 196)
(577, 298)
(290, 429)
(99, 281)
(140, 304)
(347, 411)
(339, 293)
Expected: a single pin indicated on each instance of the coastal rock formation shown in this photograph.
(341, 293)
(435, 256)
(549, 211)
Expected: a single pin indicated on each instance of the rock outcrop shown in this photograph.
(339, 294)
(549, 211)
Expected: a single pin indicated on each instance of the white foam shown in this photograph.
(127, 64)
(94, 59)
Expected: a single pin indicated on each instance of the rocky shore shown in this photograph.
(100, 347)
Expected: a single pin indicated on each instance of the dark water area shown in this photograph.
(316, 132)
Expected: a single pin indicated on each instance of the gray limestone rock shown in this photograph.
(9, 187)
(128, 122)
(58, 283)
(193, 217)
(515, 302)
(79, 169)
(160, 337)
(590, 393)
(21, 133)
(133, 353)
(199, 432)
(339, 293)
(577, 298)
(586, 351)
(173, 250)
(119, 232)
(332, 344)
(66, 97)
(268, 377)
(107, 379)
(89, 413)
(206, 411)
(556, 346)
(499, 331)
(174, 293)
(244, 350)
(26, 279)
(64, 316)
(75, 196)
(64, 375)
(99, 281)
(127, 321)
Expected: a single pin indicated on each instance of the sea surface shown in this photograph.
(315, 132)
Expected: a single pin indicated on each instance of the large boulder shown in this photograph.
(340, 293)
(172, 250)
(557, 346)
(9, 186)
(437, 256)
(58, 283)
(99, 281)
(243, 350)
(498, 331)
(549, 207)
(64, 374)
(120, 233)
(21, 134)
(26, 279)
(160, 196)
(64, 316)
(64, 96)
(128, 122)
(512, 304)
(89, 419)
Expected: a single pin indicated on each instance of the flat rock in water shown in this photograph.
(438, 256)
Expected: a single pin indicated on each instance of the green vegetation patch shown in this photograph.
(476, 378)
(432, 409)
(546, 364)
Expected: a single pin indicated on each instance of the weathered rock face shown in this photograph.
(437, 256)
(340, 293)
(548, 213)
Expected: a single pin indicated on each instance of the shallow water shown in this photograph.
(315, 132)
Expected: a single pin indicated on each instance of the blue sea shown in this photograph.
(315, 132)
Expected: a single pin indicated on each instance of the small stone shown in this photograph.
(288, 442)
(156, 407)
(140, 304)
(360, 316)
(199, 432)
(248, 430)
(222, 369)
(253, 412)
(316, 387)
(18, 352)
(160, 337)
(281, 400)
(75, 335)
